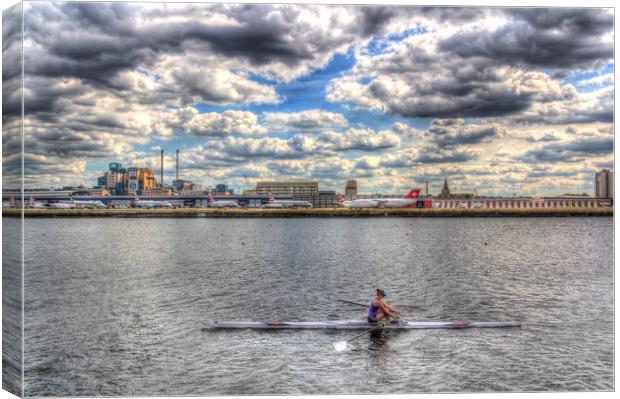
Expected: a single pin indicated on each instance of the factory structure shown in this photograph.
(141, 181)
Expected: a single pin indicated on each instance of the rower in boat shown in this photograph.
(379, 310)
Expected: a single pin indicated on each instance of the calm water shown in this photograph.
(116, 306)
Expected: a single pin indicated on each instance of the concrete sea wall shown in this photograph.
(316, 212)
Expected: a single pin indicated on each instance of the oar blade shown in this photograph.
(340, 346)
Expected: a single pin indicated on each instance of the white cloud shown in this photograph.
(606, 79)
(190, 120)
(359, 139)
(314, 119)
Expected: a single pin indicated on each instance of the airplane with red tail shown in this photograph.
(408, 201)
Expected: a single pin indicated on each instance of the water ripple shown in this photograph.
(117, 306)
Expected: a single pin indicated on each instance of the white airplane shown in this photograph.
(61, 205)
(89, 204)
(408, 201)
(138, 203)
(221, 204)
(10, 203)
(274, 203)
(32, 203)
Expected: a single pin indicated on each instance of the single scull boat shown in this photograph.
(357, 324)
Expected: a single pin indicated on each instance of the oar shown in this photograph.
(353, 303)
(342, 345)
(366, 306)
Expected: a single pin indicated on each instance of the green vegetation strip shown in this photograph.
(315, 212)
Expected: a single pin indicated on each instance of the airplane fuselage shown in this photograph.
(398, 202)
(288, 204)
(362, 203)
(152, 204)
(61, 205)
(223, 204)
(89, 204)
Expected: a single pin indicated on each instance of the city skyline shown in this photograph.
(491, 98)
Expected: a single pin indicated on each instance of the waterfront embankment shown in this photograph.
(313, 212)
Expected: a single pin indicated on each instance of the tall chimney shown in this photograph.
(177, 164)
(161, 183)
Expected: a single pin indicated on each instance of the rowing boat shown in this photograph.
(357, 324)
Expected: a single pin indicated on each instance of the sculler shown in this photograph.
(379, 309)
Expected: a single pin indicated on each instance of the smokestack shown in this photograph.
(161, 183)
(177, 164)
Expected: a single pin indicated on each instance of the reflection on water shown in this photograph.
(117, 306)
(377, 339)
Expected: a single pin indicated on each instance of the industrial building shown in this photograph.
(124, 181)
(294, 188)
(298, 191)
(223, 189)
(350, 191)
(113, 179)
(604, 184)
(139, 180)
(181, 185)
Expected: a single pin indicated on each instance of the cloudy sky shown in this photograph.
(499, 100)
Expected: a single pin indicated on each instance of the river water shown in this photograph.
(117, 306)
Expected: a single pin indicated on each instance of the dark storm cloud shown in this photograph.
(449, 134)
(89, 41)
(35, 167)
(579, 21)
(486, 72)
(11, 155)
(449, 157)
(94, 41)
(428, 156)
(572, 151)
(12, 171)
(374, 18)
(49, 101)
(11, 42)
(260, 44)
(466, 135)
(11, 100)
(11, 64)
(454, 14)
(557, 38)
(64, 143)
(459, 95)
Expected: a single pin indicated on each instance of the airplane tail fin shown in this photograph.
(210, 198)
(270, 197)
(341, 199)
(413, 193)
